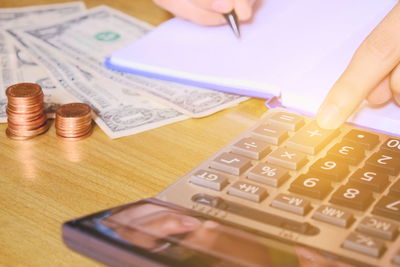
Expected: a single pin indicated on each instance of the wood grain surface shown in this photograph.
(46, 181)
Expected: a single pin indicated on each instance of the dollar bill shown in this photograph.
(119, 111)
(19, 66)
(88, 39)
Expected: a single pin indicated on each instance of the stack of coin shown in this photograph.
(25, 111)
(74, 121)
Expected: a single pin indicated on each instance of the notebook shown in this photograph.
(293, 50)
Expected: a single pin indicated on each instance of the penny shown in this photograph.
(24, 90)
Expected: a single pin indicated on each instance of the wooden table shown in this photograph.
(46, 181)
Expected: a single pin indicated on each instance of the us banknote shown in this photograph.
(88, 39)
(19, 66)
(119, 111)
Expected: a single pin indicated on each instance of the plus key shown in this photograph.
(311, 139)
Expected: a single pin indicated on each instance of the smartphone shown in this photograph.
(152, 232)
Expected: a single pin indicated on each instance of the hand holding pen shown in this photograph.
(209, 12)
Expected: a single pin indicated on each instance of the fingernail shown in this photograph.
(221, 6)
(329, 117)
(190, 222)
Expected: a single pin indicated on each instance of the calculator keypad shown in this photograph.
(347, 179)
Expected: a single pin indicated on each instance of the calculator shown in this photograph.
(283, 193)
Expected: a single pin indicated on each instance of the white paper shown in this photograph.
(292, 49)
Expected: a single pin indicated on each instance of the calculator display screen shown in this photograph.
(174, 236)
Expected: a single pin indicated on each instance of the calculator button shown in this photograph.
(388, 207)
(268, 174)
(352, 197)
(270, 134)
(378, 227)
(248, 191)
(311, 139)
(209, 179)
(330, 168)
(333, 215)
(286, 120)
(294, 204)
(393, 145)
(231, 163)
(362, 138)
(395, 189)
(364, 244)
(251, 148)
(385, 161)
(287, 158)
(370, 179)
(348, 152)
(310, 186)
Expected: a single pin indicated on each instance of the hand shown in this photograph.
(373, 74)
(207, 12)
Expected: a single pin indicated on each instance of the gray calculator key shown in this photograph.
(268, 174)
(209, 179)
(311, 139)
(248, 191)
(251, 148)
(287, 158)
(378, 227)
(286, 120)
(294, 204)
(231, 163)
(333, 215)
(364, 244)
(270, 133)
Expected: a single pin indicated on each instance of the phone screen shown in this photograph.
(169, 235)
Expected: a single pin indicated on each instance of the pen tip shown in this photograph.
(233, 23)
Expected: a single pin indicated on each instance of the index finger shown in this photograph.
(371, 63)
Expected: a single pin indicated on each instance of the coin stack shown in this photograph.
(74, 121)
(25, 111)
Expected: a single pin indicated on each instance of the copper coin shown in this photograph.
(34, 132)
(76, 138)
(17, 137)
(73, 110)
(24, 90)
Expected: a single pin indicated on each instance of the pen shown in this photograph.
(232, 20)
